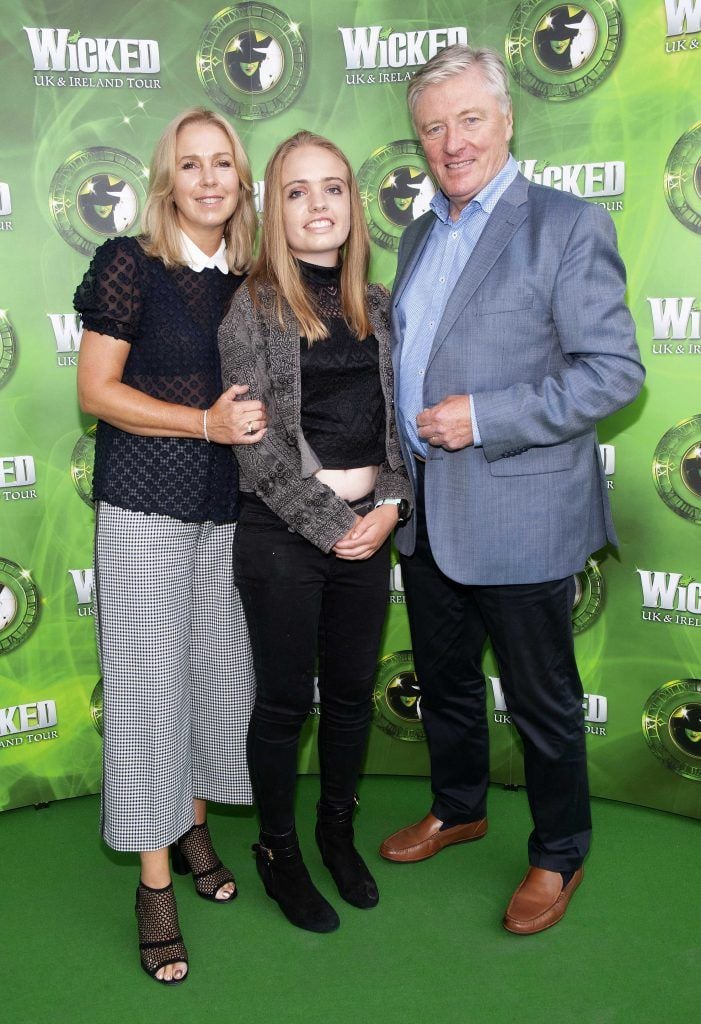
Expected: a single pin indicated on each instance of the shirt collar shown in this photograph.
(198, 260)
(487, 199)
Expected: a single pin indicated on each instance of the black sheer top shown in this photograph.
(343, 408)
(170, 319)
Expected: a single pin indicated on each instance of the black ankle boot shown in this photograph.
(334, 834)
(286, 879)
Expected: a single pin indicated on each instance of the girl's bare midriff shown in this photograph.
(350, 484)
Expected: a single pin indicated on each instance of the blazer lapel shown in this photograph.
(402, 279)
(405, 271)
(505, 219)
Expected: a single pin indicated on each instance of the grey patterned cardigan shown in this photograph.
(257, 351)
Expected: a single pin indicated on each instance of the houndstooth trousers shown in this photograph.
(178, 682)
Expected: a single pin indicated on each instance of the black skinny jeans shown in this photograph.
(300, 602)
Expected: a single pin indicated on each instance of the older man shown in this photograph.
(512, 339)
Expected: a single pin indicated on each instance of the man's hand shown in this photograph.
(447, 425)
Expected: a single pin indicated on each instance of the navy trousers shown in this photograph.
(530, 629)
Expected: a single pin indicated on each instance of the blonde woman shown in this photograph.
(175, 657)
(321, 493)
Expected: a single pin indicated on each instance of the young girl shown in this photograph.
(321, 493)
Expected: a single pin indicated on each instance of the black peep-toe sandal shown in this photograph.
(160, 941)
(194, 853)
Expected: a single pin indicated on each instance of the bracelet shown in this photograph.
(204, 426)
(388, 501)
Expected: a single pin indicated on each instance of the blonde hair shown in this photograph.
(277, 267)
(159, 221)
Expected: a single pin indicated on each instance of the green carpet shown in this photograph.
(432, 951)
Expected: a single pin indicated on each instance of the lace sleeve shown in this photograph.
(109, 297)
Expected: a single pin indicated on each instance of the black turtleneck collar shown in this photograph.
(316, 274)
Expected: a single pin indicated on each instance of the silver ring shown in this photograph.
(250, 429)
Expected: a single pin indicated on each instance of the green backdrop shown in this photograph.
(605, 106)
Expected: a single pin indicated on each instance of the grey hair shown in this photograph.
(453, 60)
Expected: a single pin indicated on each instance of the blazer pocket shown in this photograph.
(508, 300)
(534, 460)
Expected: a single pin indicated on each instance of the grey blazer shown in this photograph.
(537, 330)
(257, 351)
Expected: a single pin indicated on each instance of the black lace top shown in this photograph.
(343, 408)
(170, 319)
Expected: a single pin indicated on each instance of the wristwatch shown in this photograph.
(402, 508)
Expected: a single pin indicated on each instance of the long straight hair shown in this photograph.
(277, 267)
(159, 221)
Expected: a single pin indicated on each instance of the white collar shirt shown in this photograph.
(198, 260)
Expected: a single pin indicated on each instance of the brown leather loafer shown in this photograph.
(540, 901)
(424, 839)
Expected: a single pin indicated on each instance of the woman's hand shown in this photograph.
(368, 534)
(232, 420)
(103, 394)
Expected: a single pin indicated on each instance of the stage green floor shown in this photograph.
(433, 951)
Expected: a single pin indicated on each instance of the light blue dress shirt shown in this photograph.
(421, 307)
